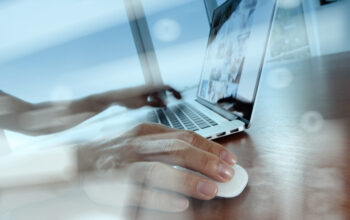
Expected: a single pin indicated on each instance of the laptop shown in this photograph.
(223, 103)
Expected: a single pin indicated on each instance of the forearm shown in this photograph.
(53, 117)
(11, 108)
(43, 118)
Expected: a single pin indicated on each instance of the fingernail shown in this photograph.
(207, 188)
(225, 171)
(228, 157)
(179, 204)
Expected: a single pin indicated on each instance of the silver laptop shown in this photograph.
(224, 101)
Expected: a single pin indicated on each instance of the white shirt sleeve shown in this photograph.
(43, 167)
(4, 146)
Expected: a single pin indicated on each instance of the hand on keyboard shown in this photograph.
(136, 97)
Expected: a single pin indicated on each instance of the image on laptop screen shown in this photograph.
(235, 53)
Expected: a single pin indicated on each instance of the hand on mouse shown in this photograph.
(142, 160)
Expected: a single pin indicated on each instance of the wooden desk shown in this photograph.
(298, 164)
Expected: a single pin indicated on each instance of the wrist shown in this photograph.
(95, 104)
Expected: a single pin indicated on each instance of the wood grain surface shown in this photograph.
(297, 152)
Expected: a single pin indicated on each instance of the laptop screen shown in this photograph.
(235, 54)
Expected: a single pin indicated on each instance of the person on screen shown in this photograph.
(144, 155)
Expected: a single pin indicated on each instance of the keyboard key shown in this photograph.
(163, 118)
(199, 121)
(152, 117)
(182, 117)
(211, 122)
(173, 119)
(186, 121)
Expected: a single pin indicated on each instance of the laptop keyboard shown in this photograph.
(182, 116)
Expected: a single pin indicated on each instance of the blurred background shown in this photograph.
(59, 50)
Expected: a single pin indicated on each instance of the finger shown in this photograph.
(160, 88)
(180, 153)
(165, 177)
(175, 93)
(145, 197)
(209, 146)
(199, 142)
(156, 101)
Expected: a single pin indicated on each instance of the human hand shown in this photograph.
(133, 97)
(142, 159)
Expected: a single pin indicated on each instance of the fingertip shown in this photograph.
(228, 157)
(208, 189)
(187, 204)
(175, 93)
(179, 96)
(234, 159)
(180, 204)
(225, 172)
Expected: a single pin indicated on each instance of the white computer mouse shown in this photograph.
(229, 189)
